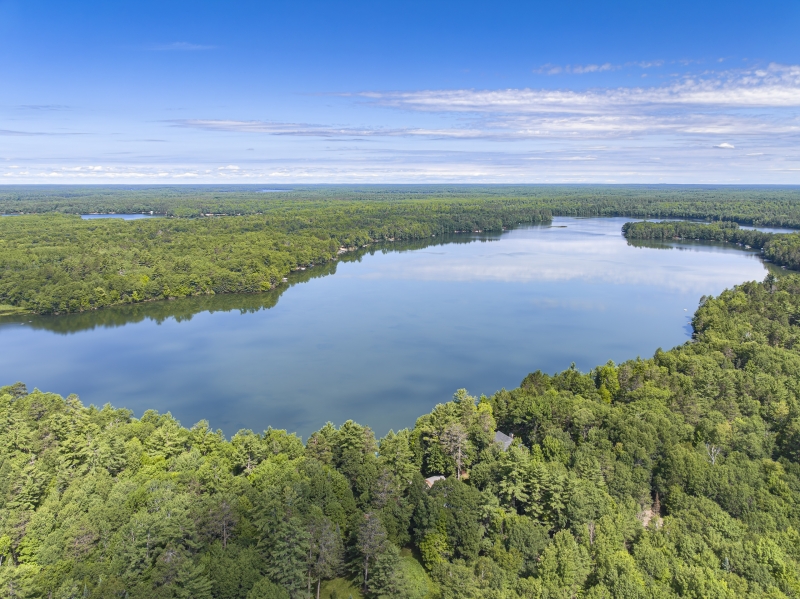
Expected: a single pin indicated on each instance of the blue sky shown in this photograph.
(394, 92)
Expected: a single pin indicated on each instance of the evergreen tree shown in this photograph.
(287, 556)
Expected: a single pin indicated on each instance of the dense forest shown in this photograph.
(675, 476)
(782, 249)
(55, 263)
(762, 205)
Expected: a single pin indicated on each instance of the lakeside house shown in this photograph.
(432, 479)
(503, 439)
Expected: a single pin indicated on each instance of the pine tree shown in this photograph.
(288, 551)
(384, 581)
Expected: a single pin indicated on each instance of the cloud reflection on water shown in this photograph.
(384, 335)
(581, 254)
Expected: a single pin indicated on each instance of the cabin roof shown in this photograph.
(503, 439)
(432, 479)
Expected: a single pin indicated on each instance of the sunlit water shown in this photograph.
(388, 335)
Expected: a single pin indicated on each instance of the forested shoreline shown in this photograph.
(56, 263)
(675, 476)
(53, 262)
(782, 249)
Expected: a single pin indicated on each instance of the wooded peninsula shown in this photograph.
(233, 240)
(673, 476)
(782, 249)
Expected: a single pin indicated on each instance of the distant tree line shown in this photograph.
(676, 476)
(759, 205)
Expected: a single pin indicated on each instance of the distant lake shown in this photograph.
(769, 229)
(122, 216)
(383, 336)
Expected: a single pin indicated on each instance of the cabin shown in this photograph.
(503, 439)
(432, 479)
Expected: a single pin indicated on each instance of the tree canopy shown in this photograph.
(674, 476)
(746, 204)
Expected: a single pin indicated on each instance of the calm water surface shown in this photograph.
(781, 230)
(122, 216)
(383, 337)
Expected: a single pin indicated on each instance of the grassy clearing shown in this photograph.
(413, 581)
(340, 588)
(6, 310)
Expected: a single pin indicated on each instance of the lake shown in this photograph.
(383, 336)
(136, 216)
(780, 230)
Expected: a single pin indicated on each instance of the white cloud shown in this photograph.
(775, 86)
(511, 126)
(744, 102)
(310, 130)
(551, 69)
(14, 133)
(273, 128)
(548, 69)
(590, 68)
(646, 64)
(725, 146)
(424, 167)
(596, 135)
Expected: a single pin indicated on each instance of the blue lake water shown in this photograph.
(769, 229)
(122, 216)
(384, 336)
